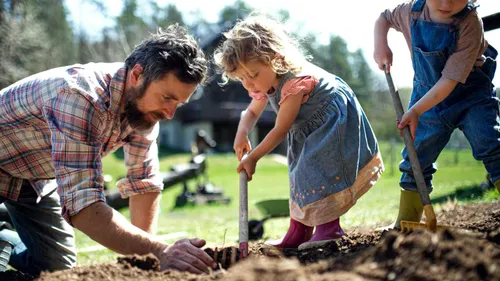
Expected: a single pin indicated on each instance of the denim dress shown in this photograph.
(333, 155)
(471, 107)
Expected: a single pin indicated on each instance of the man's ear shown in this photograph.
(136, 75)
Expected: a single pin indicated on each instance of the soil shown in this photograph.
(470, 250)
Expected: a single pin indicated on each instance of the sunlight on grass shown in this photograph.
(459, 175)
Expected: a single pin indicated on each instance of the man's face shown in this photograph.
(146, 106)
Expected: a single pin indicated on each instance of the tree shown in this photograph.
(163, 17)
(130, 28)
(55, 24)
(230, 14)
(24, 43)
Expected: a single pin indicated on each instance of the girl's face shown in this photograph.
(256, 77)
(443, 10)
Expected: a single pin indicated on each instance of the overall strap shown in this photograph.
(285, 77)
(465, 11)
(416, 10)
(458, 17)
(418, 6)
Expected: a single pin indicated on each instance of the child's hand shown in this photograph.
(241, 145)
(248, 164)
(410, 118)
(383, 56)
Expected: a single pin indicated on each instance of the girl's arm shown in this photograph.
(435, 95)
(288, 112)
(250, 116)
(248, 120)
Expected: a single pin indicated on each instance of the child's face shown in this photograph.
(256, 76)
(443, 10)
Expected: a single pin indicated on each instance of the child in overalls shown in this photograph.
(333, 155)
(452, 88)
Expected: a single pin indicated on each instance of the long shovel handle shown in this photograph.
(243, 218)
(412, 154)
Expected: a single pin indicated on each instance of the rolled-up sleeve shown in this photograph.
(142, 163)
(74, 124)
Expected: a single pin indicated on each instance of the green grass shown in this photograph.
(218, 224)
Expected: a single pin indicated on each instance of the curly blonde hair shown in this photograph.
(261, 38)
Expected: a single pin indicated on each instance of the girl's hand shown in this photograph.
(410, 118)
(248, 164)
(383, 56)
(241, 145)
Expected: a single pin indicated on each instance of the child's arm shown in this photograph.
(248, 120)
(289, 109)
(435, 95)
(382, 52)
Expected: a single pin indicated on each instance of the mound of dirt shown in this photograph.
(468, 251)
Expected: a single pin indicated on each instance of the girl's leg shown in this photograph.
(324, 233)
(297, 234)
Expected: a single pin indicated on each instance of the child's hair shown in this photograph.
(262, 38)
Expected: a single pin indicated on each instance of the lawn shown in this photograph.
(458, 178)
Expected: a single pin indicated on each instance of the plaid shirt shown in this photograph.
(56, 126)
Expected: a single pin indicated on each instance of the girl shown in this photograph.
(333, 155)
(454, 66)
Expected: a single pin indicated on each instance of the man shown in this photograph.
(56, 126)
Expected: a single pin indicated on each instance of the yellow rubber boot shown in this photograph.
(410, 208)
(497, 185)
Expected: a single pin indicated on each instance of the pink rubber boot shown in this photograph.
(324, 233)
(297, 234)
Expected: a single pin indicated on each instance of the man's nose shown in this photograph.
(169, 111)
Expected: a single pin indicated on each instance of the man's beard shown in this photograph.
(136, 118)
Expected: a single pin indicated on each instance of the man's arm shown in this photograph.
(112, 230)
(144, 210)
(143, 183)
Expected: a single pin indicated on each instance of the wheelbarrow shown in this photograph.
(271, 208)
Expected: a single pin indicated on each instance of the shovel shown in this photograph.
(431, 222)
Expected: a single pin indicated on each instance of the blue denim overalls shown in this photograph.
(329, 141)
(472, 107)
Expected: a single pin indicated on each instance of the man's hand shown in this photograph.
(186, 255)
